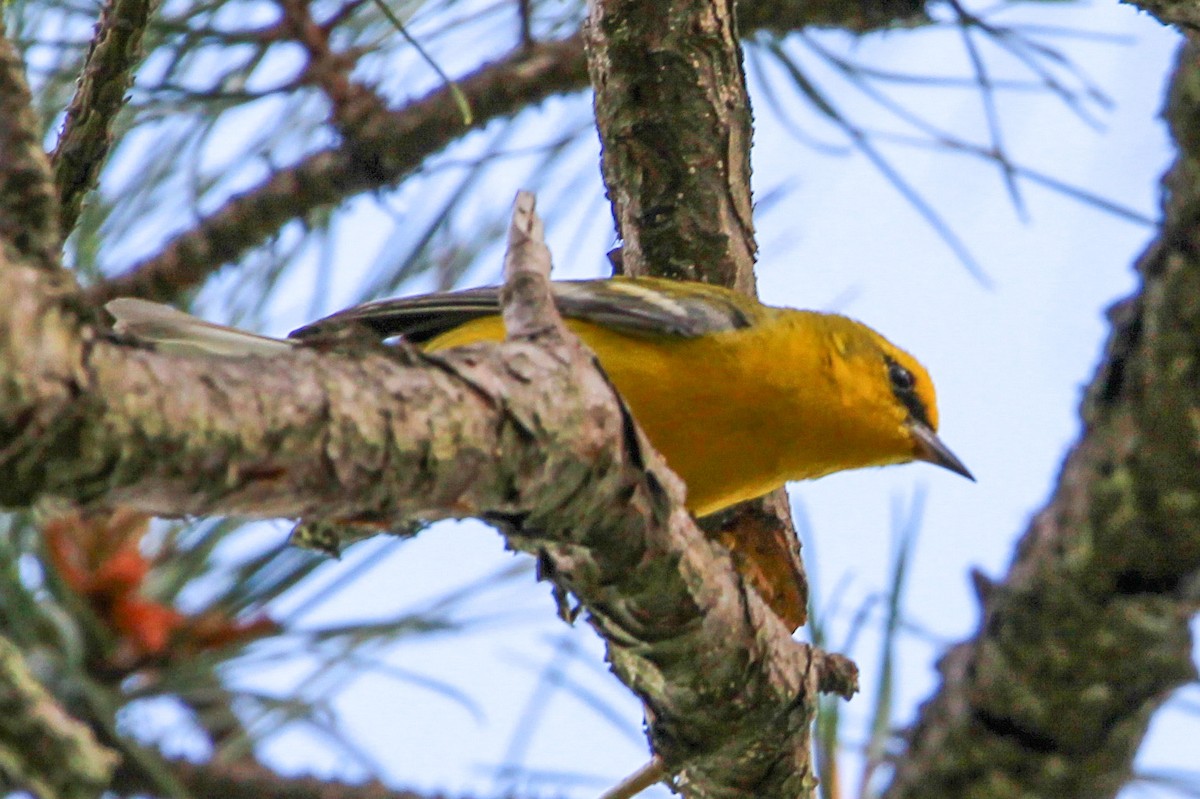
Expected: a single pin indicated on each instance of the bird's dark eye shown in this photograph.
(901, 378)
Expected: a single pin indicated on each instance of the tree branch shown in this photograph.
(389, 146)
(527, 434)
(1184, 15)
(86, 136)
(43, 749)
(1088, 633)
(28, 203)
(674, 119)
(248, 780)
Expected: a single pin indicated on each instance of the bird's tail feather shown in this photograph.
(174, 331)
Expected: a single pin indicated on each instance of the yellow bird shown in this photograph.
(739, 397)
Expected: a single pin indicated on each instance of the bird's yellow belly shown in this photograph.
(692, 415)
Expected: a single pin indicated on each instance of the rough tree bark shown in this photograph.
(673, 114)
(90, 420)
(528, 434)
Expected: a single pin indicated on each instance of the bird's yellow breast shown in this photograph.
(736, 413)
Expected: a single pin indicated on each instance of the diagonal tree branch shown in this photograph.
(389, 146)
(1088, 633)
(528, 434)
(86, 137)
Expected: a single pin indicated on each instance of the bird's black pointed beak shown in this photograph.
(931, 450)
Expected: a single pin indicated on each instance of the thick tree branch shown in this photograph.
(389, 146)
(28, 204)
(528, 434)
(43, 749)
(1088, 633)
(86, 136)
(674, 119)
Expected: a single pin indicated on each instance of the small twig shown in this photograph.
(653, 772)
(355, 107)
(528, 304)
(987, 94)
(464, 105)
(836, 674)
(342, 14)
(525, 15)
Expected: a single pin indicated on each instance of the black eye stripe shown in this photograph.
(904, 389)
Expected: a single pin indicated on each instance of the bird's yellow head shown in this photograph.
(886, 398)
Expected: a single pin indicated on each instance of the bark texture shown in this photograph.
(28, 204)
(1184, 15)
(674, 120)
(89, 419)
(529, 435)
(1087, 634)
(86, 138)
